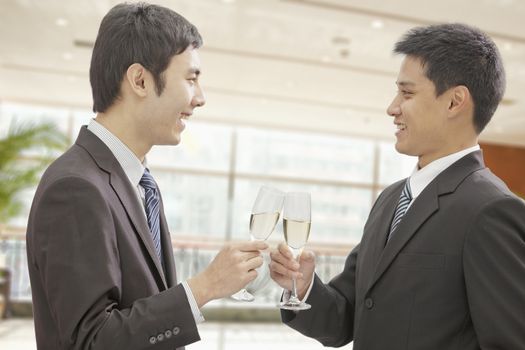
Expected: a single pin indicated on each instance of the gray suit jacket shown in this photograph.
(96, 280)
(451, 277)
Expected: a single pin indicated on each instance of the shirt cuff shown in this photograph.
(287, 293)
(197, 315)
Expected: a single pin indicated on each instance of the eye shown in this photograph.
(192, 80)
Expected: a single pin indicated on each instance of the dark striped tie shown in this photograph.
(402, 206)
(152, 209)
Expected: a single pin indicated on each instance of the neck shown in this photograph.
(424, 160)
(120, 122)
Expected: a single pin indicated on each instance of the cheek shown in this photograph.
(188, 97)
(418, 119)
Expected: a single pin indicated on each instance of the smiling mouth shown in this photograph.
(401, 126)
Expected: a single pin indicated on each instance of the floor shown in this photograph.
(18, 334)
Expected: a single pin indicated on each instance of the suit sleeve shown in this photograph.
(75, 249)
(331, 318)
(494, 267)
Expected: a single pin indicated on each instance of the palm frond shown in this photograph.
(23, 137)
(16, 175)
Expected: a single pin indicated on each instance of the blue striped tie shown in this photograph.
(152, 209)
(402, 206)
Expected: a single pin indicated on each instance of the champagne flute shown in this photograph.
(265, 214)
(296, 226)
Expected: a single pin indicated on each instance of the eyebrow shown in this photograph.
(405, 83)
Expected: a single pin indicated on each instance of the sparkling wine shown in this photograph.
(262, 225)
(296, 233)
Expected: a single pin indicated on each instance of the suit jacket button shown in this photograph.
(153, 340)
(168, 333)
(176, 330)
(369, 303)
(160, 336)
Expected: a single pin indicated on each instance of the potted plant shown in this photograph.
(16, 175)
(19, 171)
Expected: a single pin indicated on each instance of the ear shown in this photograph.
(460, 100)
(136, 79)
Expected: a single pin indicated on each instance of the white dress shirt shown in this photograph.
(134, 170)
(419, 180)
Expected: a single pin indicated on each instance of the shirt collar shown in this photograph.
(420, 178)
(129, 162)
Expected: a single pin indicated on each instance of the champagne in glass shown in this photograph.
(265, 214)
(296, 234)
(262, 225)
(296, 225)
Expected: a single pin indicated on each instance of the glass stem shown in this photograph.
(293, 298)
(294, 288)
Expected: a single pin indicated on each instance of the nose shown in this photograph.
(394, 108)
(199, 100)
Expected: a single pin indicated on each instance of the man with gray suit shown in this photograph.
(99, 250)
(441, 264)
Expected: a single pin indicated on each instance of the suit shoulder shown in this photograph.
(396, 184)
(486, 186)
(75, 162)
(75, 167)
(392, 188)
(483, 196)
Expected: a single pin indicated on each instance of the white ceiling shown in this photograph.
(322, 65)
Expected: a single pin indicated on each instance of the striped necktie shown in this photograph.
(152, 209)
(402, 206)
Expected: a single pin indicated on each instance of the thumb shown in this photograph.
(307, 256)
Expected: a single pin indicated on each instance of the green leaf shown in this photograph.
(17, 175)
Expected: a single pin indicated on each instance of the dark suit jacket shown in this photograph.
(452, 276)
(96, 280)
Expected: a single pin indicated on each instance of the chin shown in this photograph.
(403, 149)
(175, 140)
(171, 140)
(398, 147)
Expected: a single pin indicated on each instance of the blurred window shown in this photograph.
(393, 166)
(205, 147)
(195, 205)
(210, 180)
(304, 155)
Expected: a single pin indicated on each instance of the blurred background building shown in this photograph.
(296, 98)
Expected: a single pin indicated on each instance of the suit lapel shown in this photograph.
(128, 198)
(125, 192)
(378, 226)
(424, 206)
(167, 251)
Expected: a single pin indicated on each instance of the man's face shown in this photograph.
(165, 115)
(420, 116)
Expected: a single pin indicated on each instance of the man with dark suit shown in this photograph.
(441, 264)
(99, 250)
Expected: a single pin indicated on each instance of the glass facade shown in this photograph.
(209, 182)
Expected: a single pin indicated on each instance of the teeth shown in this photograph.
(401, 126)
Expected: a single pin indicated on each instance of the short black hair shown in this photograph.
(456, 54)
(136, 33)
